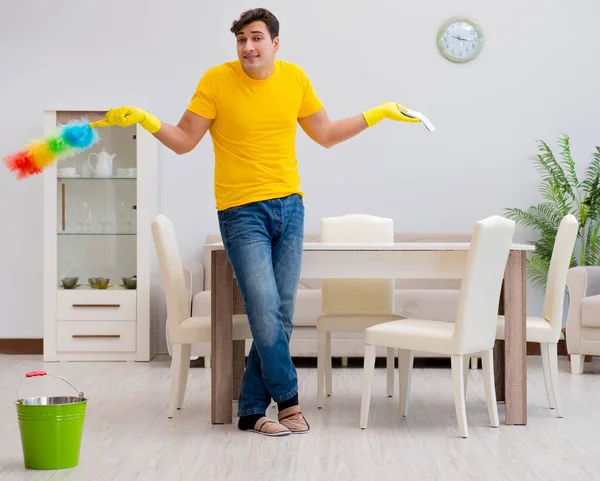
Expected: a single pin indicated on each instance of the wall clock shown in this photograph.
(460, 39)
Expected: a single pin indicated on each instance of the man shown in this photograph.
(251, 106)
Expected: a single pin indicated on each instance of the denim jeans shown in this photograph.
(263, 241)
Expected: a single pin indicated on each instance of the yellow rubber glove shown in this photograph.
(387, 110)
(126, 116)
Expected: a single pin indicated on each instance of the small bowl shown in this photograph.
(99, 282)
(69, 282)
(130, 282)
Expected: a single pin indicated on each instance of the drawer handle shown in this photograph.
(96, 336)
(96, 305)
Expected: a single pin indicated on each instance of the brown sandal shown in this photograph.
(268, 427)
(293, 419)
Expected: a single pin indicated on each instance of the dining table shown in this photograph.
(398, 260)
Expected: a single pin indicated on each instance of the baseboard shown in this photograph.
(533, 348)
(36, 346)
(21, 346)
(336, 362)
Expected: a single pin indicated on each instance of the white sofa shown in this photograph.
(431, 299)
(583, 321)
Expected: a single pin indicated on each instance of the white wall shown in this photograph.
(535, 78)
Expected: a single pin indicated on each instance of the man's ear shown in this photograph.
(276, 43)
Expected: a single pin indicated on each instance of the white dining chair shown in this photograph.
(183, 330)
(352, 305)
(474, 330)
(546, 329)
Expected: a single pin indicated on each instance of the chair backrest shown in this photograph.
(171, 270)
(556, 284)
(477, 316)
(357, 296)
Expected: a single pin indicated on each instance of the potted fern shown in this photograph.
(563, 193)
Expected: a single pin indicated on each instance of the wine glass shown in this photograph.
(107, 221)
(84, 216)
(132, 218)
(122, 216)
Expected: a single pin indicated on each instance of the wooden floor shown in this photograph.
(128, 436)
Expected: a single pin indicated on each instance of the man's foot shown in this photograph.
(293, 419)
(262, 425)
(268, 427)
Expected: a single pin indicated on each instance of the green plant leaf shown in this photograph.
(592, 173)
(548, 160)
(592, 251)
(563, 193)
(537, 270)
(554, 185)
(571, 174)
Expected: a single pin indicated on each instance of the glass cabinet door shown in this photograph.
(96, 211)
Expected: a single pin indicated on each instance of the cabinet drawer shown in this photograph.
(98, 336)
(96, 305)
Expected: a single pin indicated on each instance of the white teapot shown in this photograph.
(104, 163)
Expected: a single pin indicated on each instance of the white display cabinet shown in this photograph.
(98, 209)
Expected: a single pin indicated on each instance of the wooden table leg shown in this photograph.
(239, 363)
(221, 338)
(239, 347)
(515, 345)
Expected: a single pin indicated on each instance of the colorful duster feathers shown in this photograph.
(68, 140)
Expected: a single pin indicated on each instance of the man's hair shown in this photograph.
(257, 15)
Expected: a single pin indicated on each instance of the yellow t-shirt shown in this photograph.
(254, 130)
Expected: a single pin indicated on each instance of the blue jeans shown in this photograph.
(263, 241)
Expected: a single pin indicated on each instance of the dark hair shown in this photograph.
(257, 15)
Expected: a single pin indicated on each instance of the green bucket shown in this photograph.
(51, 428)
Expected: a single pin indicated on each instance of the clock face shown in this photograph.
(460, 39)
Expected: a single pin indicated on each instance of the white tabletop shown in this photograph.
(396, 246)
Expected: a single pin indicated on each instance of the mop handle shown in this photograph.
(44, 373)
